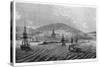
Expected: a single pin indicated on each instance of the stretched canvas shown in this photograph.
(44, 33)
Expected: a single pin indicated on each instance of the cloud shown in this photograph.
(18, 16)
(36, 15)
(85, 25)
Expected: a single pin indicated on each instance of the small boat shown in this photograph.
(74, 48)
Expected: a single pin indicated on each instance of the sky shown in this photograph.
(36, 15)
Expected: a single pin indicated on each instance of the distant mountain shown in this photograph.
(44, 32)
(61, 28)
(58, 26)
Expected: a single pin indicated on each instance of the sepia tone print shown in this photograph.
(54, 32)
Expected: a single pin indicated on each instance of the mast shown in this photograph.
(25, 44)
(25, 37)
(63, 41)
(53, 33)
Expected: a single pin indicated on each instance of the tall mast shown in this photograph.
(53, 33)
(25, 33)
(25, 44)
(63, 41)
(25, 36)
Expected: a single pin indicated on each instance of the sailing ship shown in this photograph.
(25, 43)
